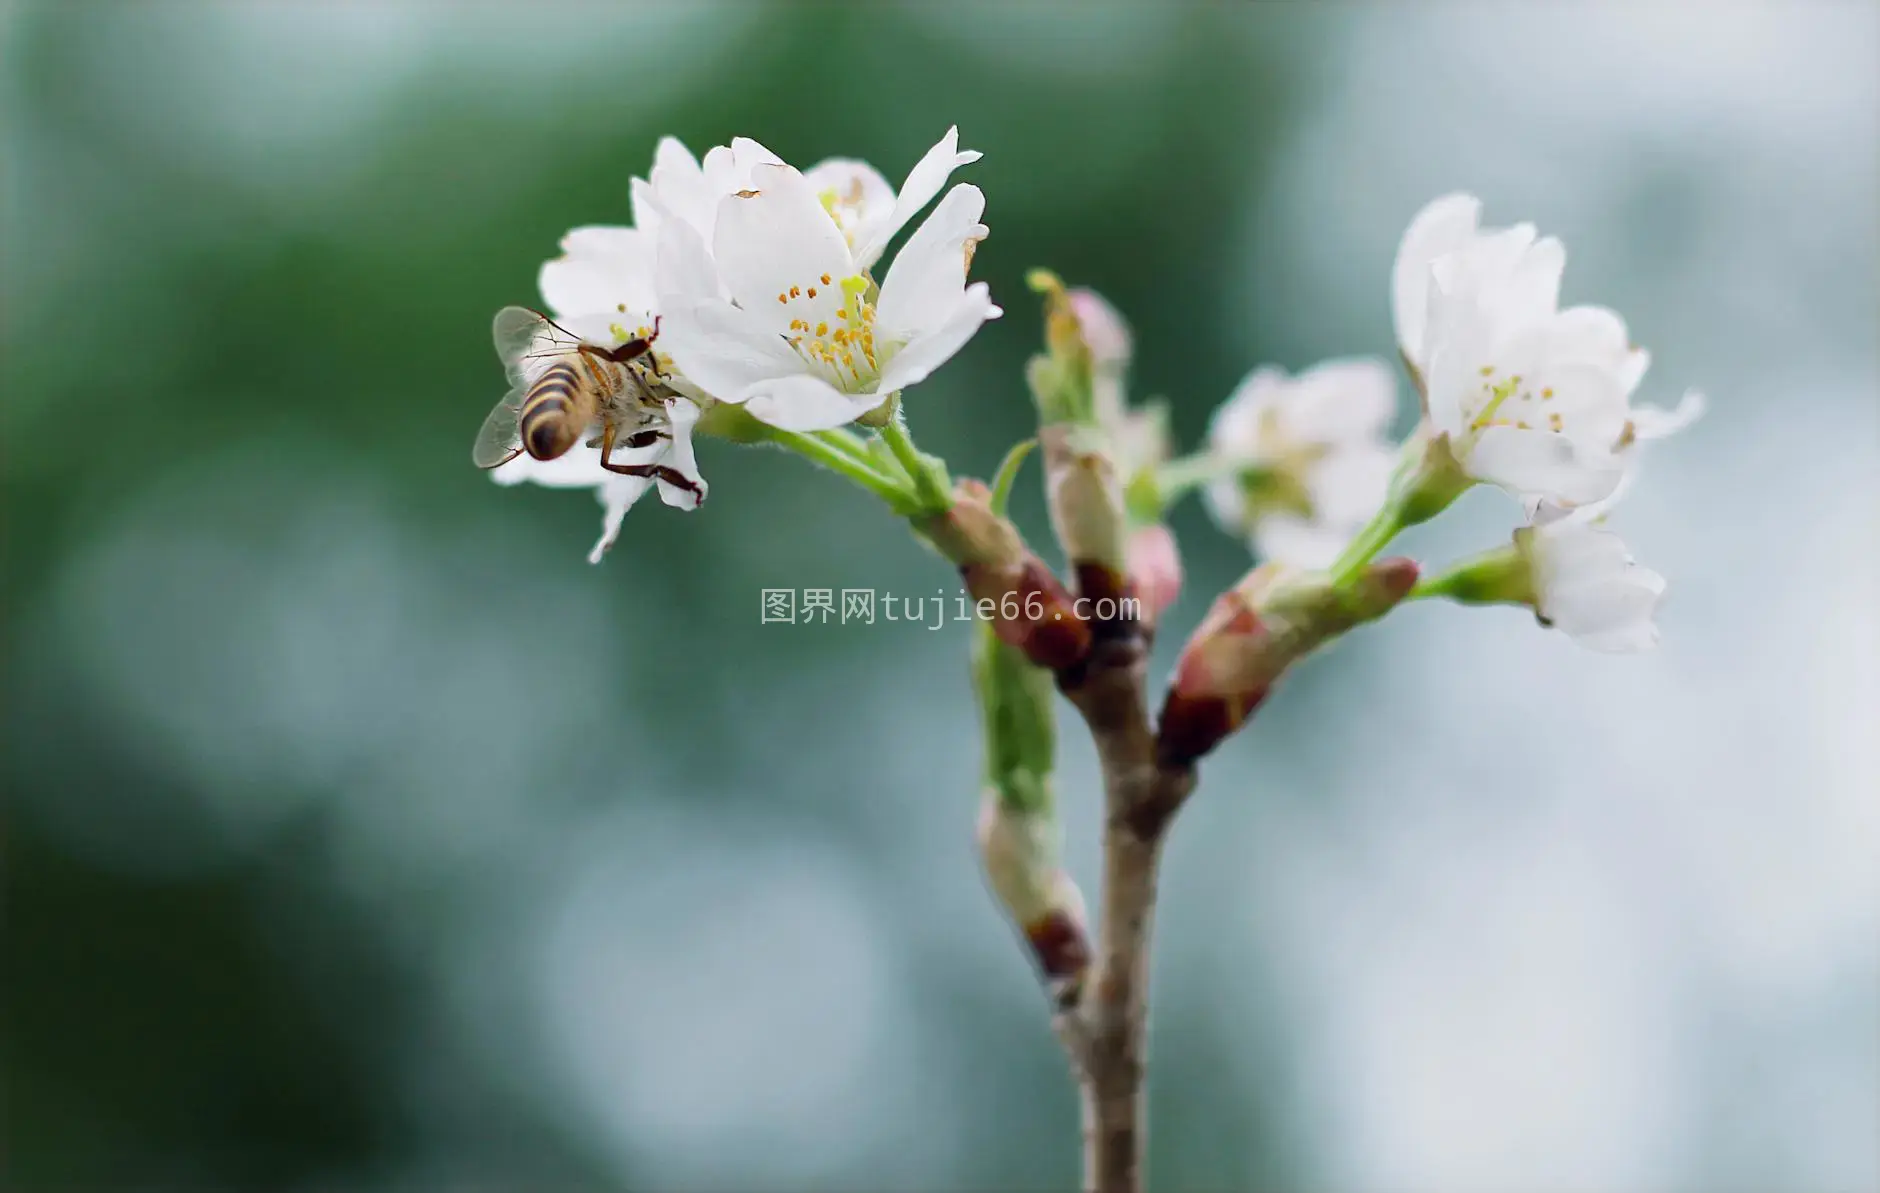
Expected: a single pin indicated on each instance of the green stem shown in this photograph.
(857, 468)
(849, 443)
(1177, 478)
(931, 495)
(1501, 576)
(1373, 538)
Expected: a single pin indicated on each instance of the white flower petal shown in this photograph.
(600, 269)
(1351, 484)
(1655, 422)
(723, 349)
(580, 468)
(1541, 463)
(1452, 372)
(1227, 505)
(1236, 429)
(1588, 586)
(1530, 292)
(1591, 334)
(805, 403)
(1632, 373)
(1568, 554)
(617, 496)
(684, 271)
(856, 196)
(1613, 613)
(598, 326)
(1340, 400)
(933, 348)
(648, 212)
(678, 456)
(923, 285)
(923, 182)
(735, 169)
(1634, 637)
(1484, 264)
(777, 237)
(1442, 227)
(678, 180)
(1284, 538)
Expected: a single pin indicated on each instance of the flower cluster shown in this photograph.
(755, 284)
(1538, 400)
(743, 300)
(1514, 392)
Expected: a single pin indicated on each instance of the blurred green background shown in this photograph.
(322, 875)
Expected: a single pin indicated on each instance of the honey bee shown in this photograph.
(561, 386)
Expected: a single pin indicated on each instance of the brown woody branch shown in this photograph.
(1109, 1033)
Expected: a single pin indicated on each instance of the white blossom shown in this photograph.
(602, 288)
(781, 314)
(1313, 464)
(1529, 397)
(1586, 584)
(610, 284)
(678, 205)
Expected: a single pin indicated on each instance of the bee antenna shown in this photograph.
(558, 327)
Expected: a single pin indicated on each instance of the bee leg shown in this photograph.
(636, 347)
(651, 356)
(660, 472)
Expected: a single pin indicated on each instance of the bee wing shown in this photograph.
(500, 440)
(526, 338)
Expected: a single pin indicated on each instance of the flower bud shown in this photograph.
(1027, 605)
(1019, 849)
(1155, 570)
(1084, 497)
(1104, 332)
(1253, 633)
(1574, 573)
(1061, 378)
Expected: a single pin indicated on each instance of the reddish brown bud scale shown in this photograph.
(1028, 606)
(1109, 602)
(1030, 610)
(1190, 726)
(1212, 693)
(1062, 949)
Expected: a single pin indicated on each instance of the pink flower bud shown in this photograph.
(1252, 634)
(1155, 570)
(1106, 335)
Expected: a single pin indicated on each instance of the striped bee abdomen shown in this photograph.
(555, 412)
